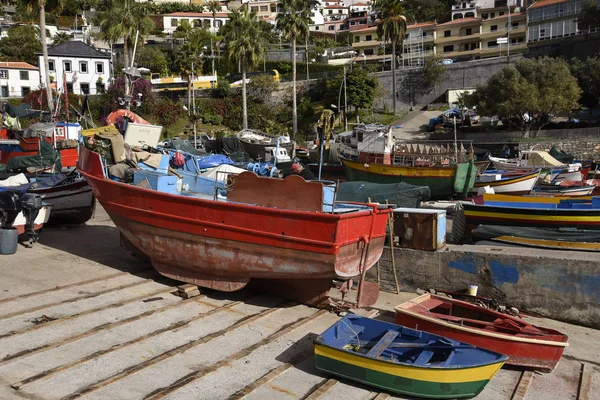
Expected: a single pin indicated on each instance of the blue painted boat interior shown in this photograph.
(393, 343)
(567, 204)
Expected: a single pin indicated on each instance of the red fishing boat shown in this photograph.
(525, 344)
(266, 229)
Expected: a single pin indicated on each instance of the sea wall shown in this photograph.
(555, 284)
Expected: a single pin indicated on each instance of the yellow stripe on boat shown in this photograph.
(530, 217)
(428, 373)
(507, 198)
(549, 243)
(398, 170)
(505, 182)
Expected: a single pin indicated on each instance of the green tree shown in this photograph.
(589, 17)
(529, 93)
(245, 45)
(154, 59)
(61, 37)
(587, 73)
(21, 44)
(428, 10)
(392, 27)
(121, 21)
(292, 21)
(361, 89)
(189, 58)
(261, 87)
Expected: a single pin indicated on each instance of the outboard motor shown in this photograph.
(31, 204)
(10, 207)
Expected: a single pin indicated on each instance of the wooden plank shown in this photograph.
(382, 396)
(523, 385)
(70, 285)
(585, 382)
(187, 379)
(322, 390)
(382, 344)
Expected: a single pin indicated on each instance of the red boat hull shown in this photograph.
(223, 245)
(68, 156)
(541, 353)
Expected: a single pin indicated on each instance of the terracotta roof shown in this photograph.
(17, 65)
(335, 7)
(196, 14)
(505, 16)
(461, 21)
(543, 3)
(359, 5)
(420, 25)
(369, 29)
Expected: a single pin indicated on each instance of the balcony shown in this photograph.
(503, 32)
(460, 53)
(366, 44)
(459, 38)
(495, 51)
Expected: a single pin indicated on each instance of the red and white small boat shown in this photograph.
(525, 344)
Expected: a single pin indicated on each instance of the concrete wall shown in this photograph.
(556, 284)
(583, 143)
(464, 75)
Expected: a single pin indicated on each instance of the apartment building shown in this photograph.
(419, 42)
(458, 39)
(551, 20)
(172, 21)
(510, 26)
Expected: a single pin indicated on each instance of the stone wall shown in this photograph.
(555, 284)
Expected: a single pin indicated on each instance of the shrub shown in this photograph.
(167, 112)
(212, 119)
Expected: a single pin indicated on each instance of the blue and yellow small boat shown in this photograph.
(402, 360)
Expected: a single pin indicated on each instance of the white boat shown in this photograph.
(531, 160)
(517, 185)
(41, 219)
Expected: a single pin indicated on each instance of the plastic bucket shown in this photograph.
(9, 240)
(472, 290)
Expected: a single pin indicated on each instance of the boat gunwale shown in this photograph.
(508, 181)
(402, 308)
(501, 359)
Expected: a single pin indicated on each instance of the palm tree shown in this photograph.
(392, 27)
(246, 45)
(189, 57)
(30, 5)
(293, 20)
(61, 37)
(213, 6)
(122, 20)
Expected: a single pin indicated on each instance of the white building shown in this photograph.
(17, 79)
(171, 21)
(86, 69)
(335, 13)
(316, 21)
(357, 7)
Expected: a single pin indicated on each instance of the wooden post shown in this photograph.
(391, 226)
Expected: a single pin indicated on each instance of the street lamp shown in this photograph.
(343, 84)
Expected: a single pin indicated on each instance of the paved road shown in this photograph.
(81, 318)
(412, 126)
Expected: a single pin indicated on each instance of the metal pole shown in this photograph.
(321, 146)
(508, 32)
(212, 56)
(345, 103)
(307, 75)
(137, 33)
(455, 146)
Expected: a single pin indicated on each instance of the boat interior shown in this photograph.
(383, 341)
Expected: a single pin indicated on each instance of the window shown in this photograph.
(331, 28)
(273, 9)
(501, 13)
(356, 39)
(25, 90)
(369, 37)
(474, 46)
(484, 16)
(51, 65)
(264, 8)
(254, 9)
(330, 12)
(316, 28)
(174, 22)
(83, 67)
(542, 33)
(4, 91)
(99, 68)
(424, 34)
(339, 11)
(468, 31)
(492, 15)
(515, 24)
(24, 75)
(70, 87)
(448, 49)
(447, 33)
(3, 74)
(84, 88)
(493, 28)
(67, 66)
(492, 44)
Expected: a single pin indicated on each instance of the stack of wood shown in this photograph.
(188, 291)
